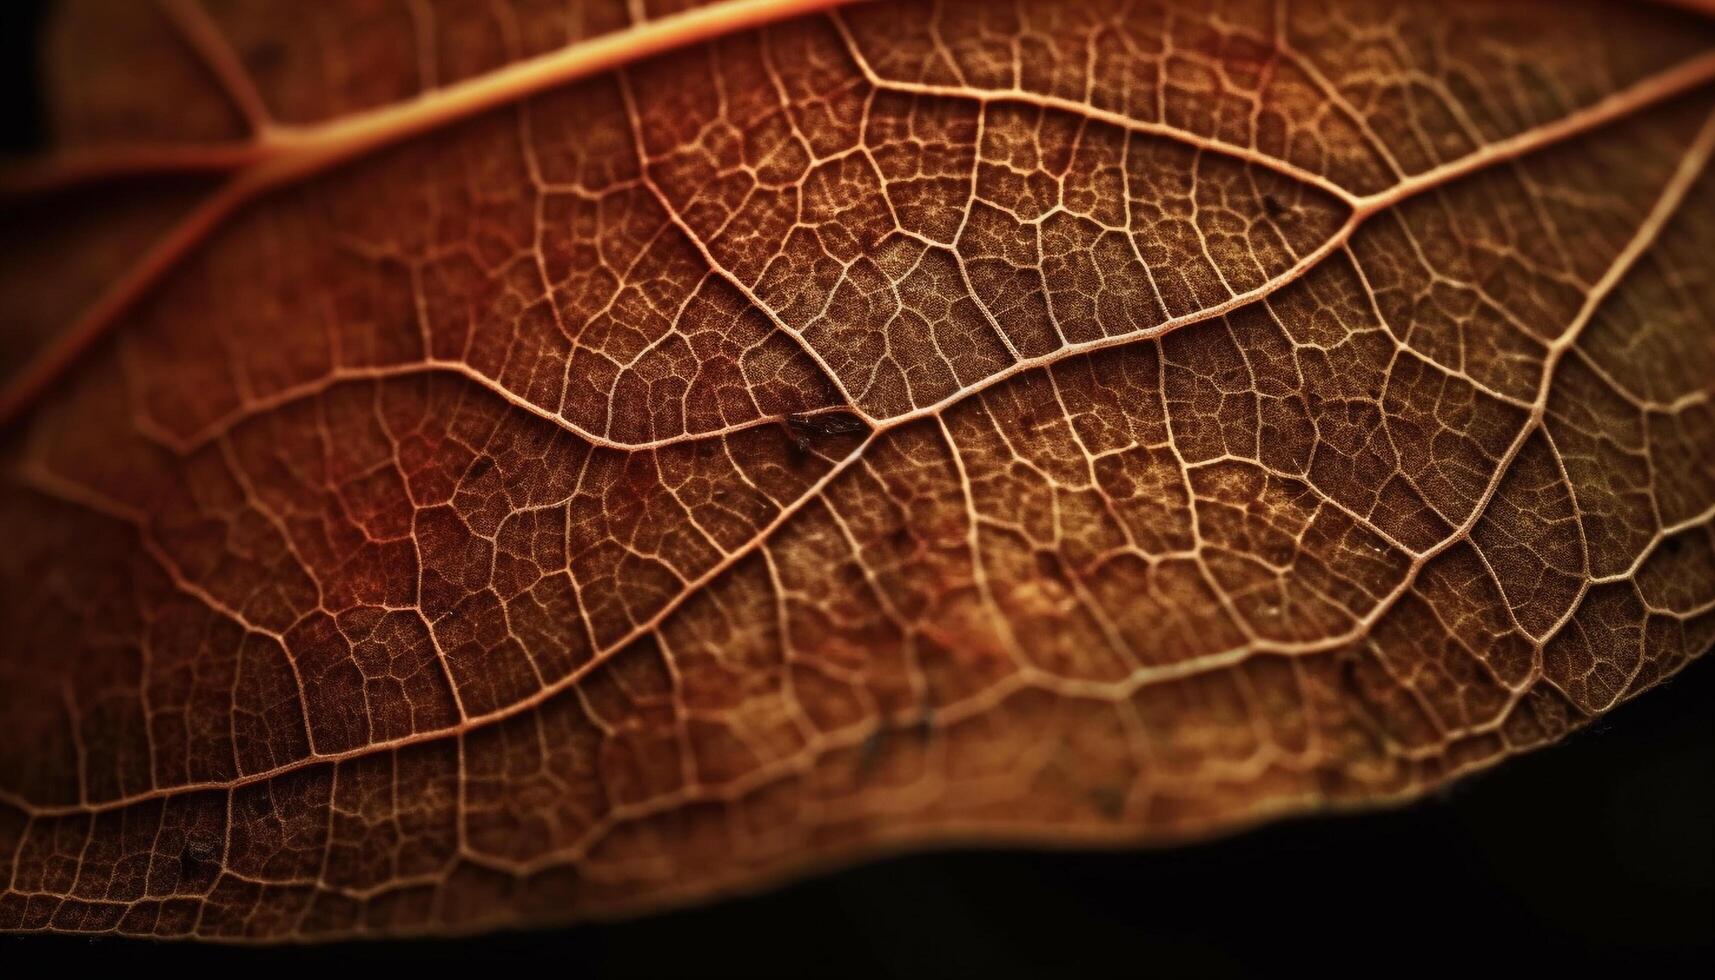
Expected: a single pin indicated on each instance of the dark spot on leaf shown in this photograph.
(810, 430)
(869, 751)
(265, 56)
(1109, 801)
(201, 848)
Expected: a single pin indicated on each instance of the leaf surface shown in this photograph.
(479, 464)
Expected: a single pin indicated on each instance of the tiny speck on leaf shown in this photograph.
(811, 429)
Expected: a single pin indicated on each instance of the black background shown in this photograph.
(1596, 854)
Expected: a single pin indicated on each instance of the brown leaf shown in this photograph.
(473, 464)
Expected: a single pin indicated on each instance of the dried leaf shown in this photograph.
(471, 464)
